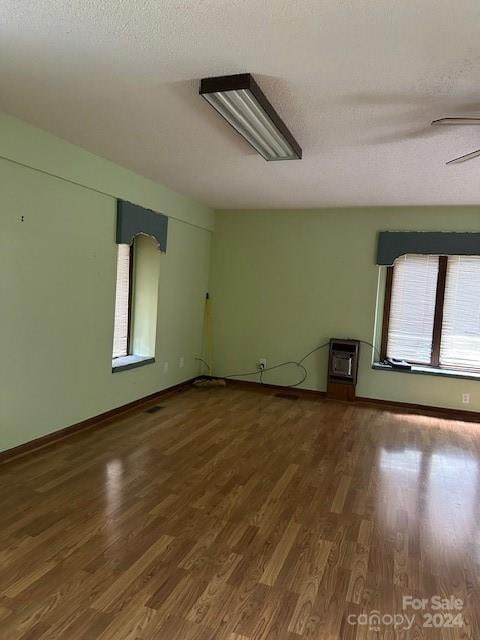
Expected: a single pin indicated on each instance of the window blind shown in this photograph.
(122, 302)
(460, 347)
(412, 308)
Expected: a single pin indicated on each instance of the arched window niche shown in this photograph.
(141, 236)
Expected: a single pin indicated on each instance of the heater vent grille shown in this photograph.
(154, 409)
(286, 396)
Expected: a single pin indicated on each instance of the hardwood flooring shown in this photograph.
(232, 514)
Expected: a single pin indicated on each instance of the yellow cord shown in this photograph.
(208, 329)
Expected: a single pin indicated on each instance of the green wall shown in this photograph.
(283, 282)
(57, 284)
(25, 144)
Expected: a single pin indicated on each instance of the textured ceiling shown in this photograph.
(356, 81)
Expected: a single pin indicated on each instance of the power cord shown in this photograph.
(205, 363)
(298, 364)
(262, 370)
(374, 348)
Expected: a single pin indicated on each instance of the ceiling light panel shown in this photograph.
(241, 102)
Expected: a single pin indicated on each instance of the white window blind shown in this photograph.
(122, 302)
(412, 308)
(460, 346)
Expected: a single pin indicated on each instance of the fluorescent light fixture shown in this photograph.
(245, 107)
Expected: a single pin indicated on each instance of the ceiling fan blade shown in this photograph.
(456, 121)
(468, 156)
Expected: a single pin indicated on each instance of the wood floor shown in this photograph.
(231, 514)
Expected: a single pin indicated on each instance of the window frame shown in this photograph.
(131, 259)
(131, 266)
(437, 320)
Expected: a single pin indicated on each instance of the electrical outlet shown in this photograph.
(466, 398)
(262, 364)
(165, 367)
(181, 362)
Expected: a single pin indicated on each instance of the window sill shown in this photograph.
(130, 362)
(429, 371)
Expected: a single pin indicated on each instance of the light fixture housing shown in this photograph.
(245, 107)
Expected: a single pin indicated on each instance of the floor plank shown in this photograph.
(233, 514)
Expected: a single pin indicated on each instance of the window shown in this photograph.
(136, 301)
(460, 346)
(432, 311)
(123, 295)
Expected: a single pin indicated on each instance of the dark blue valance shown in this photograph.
(393, 244)
(133, 220)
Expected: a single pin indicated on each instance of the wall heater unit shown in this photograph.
(342, 368)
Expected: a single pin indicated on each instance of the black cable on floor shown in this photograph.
(298, 363)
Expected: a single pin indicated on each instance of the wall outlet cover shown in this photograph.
(165, 367)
